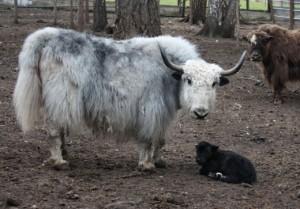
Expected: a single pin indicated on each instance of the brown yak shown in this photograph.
(277, 50)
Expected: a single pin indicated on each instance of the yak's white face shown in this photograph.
(198, 83)
(198, 88)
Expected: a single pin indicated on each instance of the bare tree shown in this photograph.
(16, 12)
(270, 5)
(55, 12)
(137, 17)
(87, 12)
(221, 19)
(197, 11)
(72, 25)
(100, 19)
(80, 15)
(181, 5)
(238, 22)
(292, 14)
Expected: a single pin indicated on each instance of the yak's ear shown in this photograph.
(223, 81)
(267, 38)
(177, 76)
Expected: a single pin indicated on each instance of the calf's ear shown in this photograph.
(223, 81)
(214, 148)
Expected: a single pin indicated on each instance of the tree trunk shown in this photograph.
(270, 4)
(237, 31)
(16, 21)
(100, 19)
(181, 5)
(221, 19)
(55, 12)
(72, 25)
(80, 15)
(197, 11)
(292, 14)
(87, 12)
(137, 17)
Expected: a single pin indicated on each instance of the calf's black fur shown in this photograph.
(224, 165)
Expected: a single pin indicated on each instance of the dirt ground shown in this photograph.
(104, 174)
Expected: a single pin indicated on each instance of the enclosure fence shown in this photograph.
(281, 9)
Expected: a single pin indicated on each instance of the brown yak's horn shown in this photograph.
(236, 68)
(177, 68)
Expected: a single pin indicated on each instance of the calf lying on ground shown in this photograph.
(223, 165)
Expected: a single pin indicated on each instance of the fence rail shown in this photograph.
(251, 5)
(282, 10)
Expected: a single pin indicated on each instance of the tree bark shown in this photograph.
(80, 15)
(72, 25)
(292, 14)
(237, 31)
(55, 12)
(137, 17)
(270, 8)
(100, 18)
(16, 21)
(87, 12)
(197, 11)
(181, 5)
(221, 19)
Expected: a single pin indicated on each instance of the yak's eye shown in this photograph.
(189, 81)
(214, 83)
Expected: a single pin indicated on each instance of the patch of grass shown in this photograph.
(168, 2)
(162, 2)
(255, 5)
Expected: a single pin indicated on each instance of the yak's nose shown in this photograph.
(200, 113)
(255, 56)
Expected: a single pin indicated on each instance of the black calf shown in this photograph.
(223, 165)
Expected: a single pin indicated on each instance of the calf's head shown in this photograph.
(205, 151)
(199, 80)
(258, 45)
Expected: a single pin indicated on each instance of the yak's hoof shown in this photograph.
(160, 164)
(278, 101)
(146, 166)
(57, 164)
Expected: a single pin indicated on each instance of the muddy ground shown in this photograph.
(104, 174)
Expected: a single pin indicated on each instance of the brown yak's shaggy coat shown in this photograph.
(280, 55)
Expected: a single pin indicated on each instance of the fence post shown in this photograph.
(292, 14)
(247, 5)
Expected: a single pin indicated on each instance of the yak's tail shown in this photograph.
(27, 96)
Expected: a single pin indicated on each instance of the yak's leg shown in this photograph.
(56, 137)
(278, 80)
(277, 96)
(63, 145)
(158, 161)
(146, 162)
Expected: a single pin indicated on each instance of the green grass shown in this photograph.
(253, 5)
(169, 2)
(163, 2)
